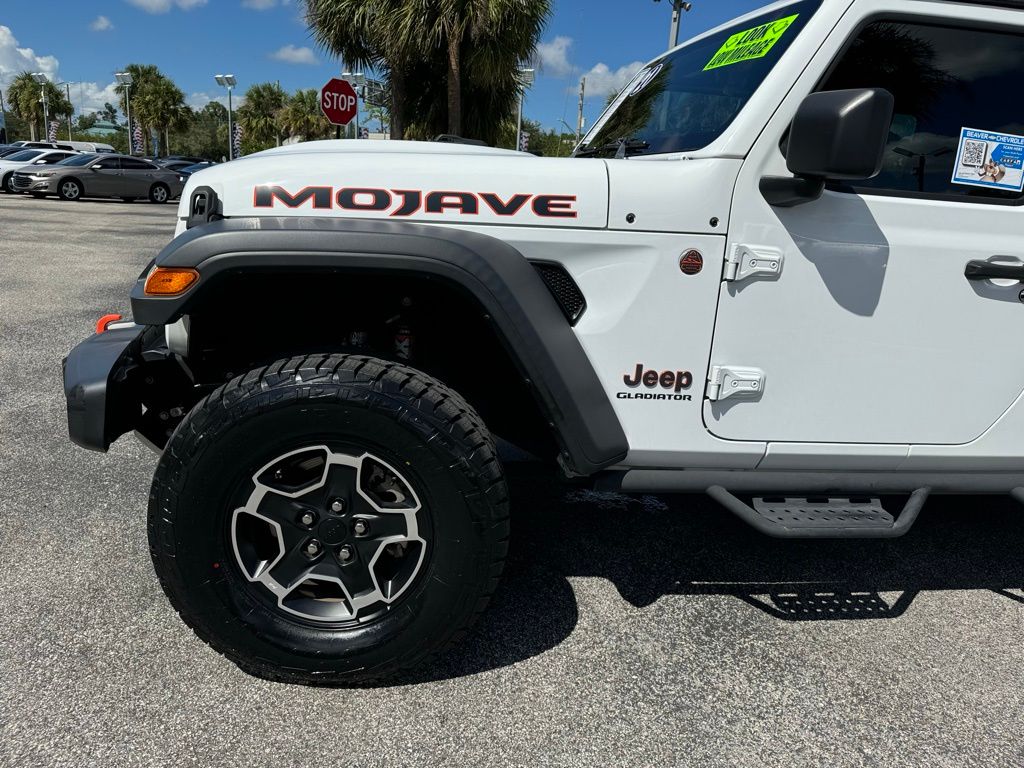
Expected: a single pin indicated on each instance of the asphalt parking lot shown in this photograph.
(654, 631)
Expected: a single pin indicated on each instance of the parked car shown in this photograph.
(175, 165)
(191, 160)
(803, 300)
(188, 170)
(97, 147)
(47, 145)
(28, 159)
(101, 175)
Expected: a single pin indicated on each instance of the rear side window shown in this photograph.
(108, 164)
(56, 157)
(131, 164)
(945, 81)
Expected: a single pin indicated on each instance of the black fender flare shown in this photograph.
(526, 317)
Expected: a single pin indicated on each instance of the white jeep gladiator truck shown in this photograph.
(783, 268)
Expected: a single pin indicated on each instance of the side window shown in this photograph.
(131, 164)
(944, 80)
(107, 164)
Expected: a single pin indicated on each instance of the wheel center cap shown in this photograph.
(333, 531)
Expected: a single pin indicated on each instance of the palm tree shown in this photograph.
(473, 49)
(179, 118)
(144, 79)
(159, 104)
(301, 116)
(368, 34)
(258, 116)
(24, 93)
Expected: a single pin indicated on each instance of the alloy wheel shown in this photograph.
(329, 536)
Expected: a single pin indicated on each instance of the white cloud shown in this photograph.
(602, 80)
(259, 5)
(90, 97)
(163, 6)
(200, 99)
(553, 57)
(101, 24)
(293, 55)
(86, 97)
(15, 60)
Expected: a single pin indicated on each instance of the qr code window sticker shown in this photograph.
(990, 159)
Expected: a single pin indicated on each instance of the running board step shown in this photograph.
(822, 518)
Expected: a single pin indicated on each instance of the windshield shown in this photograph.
(77, 160)
(684, 100)
(24, 155)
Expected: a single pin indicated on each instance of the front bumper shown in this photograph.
(24, 182)
(98, 387)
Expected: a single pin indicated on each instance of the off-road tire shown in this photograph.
(398, 413)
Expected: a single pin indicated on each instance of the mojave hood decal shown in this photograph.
(492, 187)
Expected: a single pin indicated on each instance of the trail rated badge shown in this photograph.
(750, 43)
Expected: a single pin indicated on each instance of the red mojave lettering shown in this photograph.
(406, 202)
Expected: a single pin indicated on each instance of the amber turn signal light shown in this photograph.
(170, 281)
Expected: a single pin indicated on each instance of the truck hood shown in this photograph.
(414, 181)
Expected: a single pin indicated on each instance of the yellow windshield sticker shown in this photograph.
(750, 43)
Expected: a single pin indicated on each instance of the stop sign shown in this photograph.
(338, 101)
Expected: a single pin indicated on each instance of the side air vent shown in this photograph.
(563, 288)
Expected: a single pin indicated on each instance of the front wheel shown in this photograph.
(332, 520)
(6, 184)
(70, 190)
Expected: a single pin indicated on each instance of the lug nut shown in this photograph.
(360, 527)
(338, 506)
(307, 518)
(345, 554)
(313, 548)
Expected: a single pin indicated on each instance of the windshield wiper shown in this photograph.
(622, 147)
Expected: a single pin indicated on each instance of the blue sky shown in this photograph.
(191, 40)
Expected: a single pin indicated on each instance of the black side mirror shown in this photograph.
(834, 135)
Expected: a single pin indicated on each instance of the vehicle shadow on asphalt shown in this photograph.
(649, 547)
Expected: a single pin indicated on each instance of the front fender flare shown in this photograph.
(533, 329)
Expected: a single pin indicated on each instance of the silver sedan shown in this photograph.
(128, 178)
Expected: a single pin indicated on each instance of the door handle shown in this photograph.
(986, 270)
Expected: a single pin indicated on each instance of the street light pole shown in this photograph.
(678, 7)
(3, 118)
(579, 117)
(125, 79)
(40, 78)
(229, 82)
(527, 80)
(358, 82)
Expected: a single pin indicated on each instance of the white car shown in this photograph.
(28, 159)
(784, 268)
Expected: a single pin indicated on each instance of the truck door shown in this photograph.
(849, 318)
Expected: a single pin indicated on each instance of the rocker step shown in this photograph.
(794, 517)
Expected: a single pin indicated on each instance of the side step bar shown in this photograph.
(826, 518)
